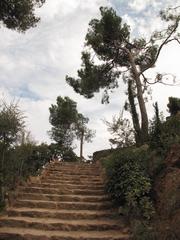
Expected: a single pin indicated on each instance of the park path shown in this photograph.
(66, 203)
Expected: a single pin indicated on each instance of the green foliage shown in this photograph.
(81, 129)
(67, 124)
(11, 125)
(128, 182)
(164, 134)
(122, 132)
(19, 14)
(103, 35)
(69, 155)
(20, 157)
(23, 161)
(62, 117)
(142, 231)
(92, 78)
(174, 105)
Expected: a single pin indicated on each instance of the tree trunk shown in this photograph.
(81, 145)
(134, 115)
(142, 106)
(2, 174)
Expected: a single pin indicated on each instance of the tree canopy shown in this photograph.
(68, 124)
(62, 116)
(19, 14)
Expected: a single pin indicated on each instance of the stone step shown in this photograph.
(60, 191)
(63, 205)
(33, 234)
(51, 224)
(72, 178)
(75, 182)
(75, 176)
(67, 186)
(66, 179)
(62, 214)
(77, 170)
(74, 172)
(56, 197)
(73, 166)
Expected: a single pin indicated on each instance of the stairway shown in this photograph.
(67, 203)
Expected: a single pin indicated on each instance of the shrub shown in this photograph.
(167, 135)
(142, 231)
(174, 105)
(128, 182)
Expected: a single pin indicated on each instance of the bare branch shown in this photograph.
(161, 46)
(159, 79)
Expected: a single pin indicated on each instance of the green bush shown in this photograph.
(69, 155)
(128, 182)
(142, 231)
(167, 135)
(174, 105)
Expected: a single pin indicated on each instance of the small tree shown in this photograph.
(62, 117)
(67, 125)
(122, 132)
(11, 124)
(82, 132)
(19, 14)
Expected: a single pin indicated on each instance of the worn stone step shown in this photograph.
(74, 166)
(73, 182)
(63, 205)
(33, 234)
(74, 172)
(73, 178)
(51, 224)
(64, 179)
(60, 191)
(62, 214)
(67, 186)
(56, 197)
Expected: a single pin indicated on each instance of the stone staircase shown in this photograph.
(66, 203)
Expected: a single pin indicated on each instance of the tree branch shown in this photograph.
(161, 46)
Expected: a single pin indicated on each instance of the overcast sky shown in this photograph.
(33, 65)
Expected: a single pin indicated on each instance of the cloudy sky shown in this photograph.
(33, 65)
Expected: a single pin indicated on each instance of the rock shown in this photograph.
(173, 157)
(167, 192)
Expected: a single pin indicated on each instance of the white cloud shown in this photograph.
(140, 5)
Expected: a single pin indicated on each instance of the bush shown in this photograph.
(142, 231)
(128, 182)
(167, 135)
(69, 156)
(174, 105)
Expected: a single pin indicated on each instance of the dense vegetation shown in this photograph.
(20, 156)
(133, 172)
